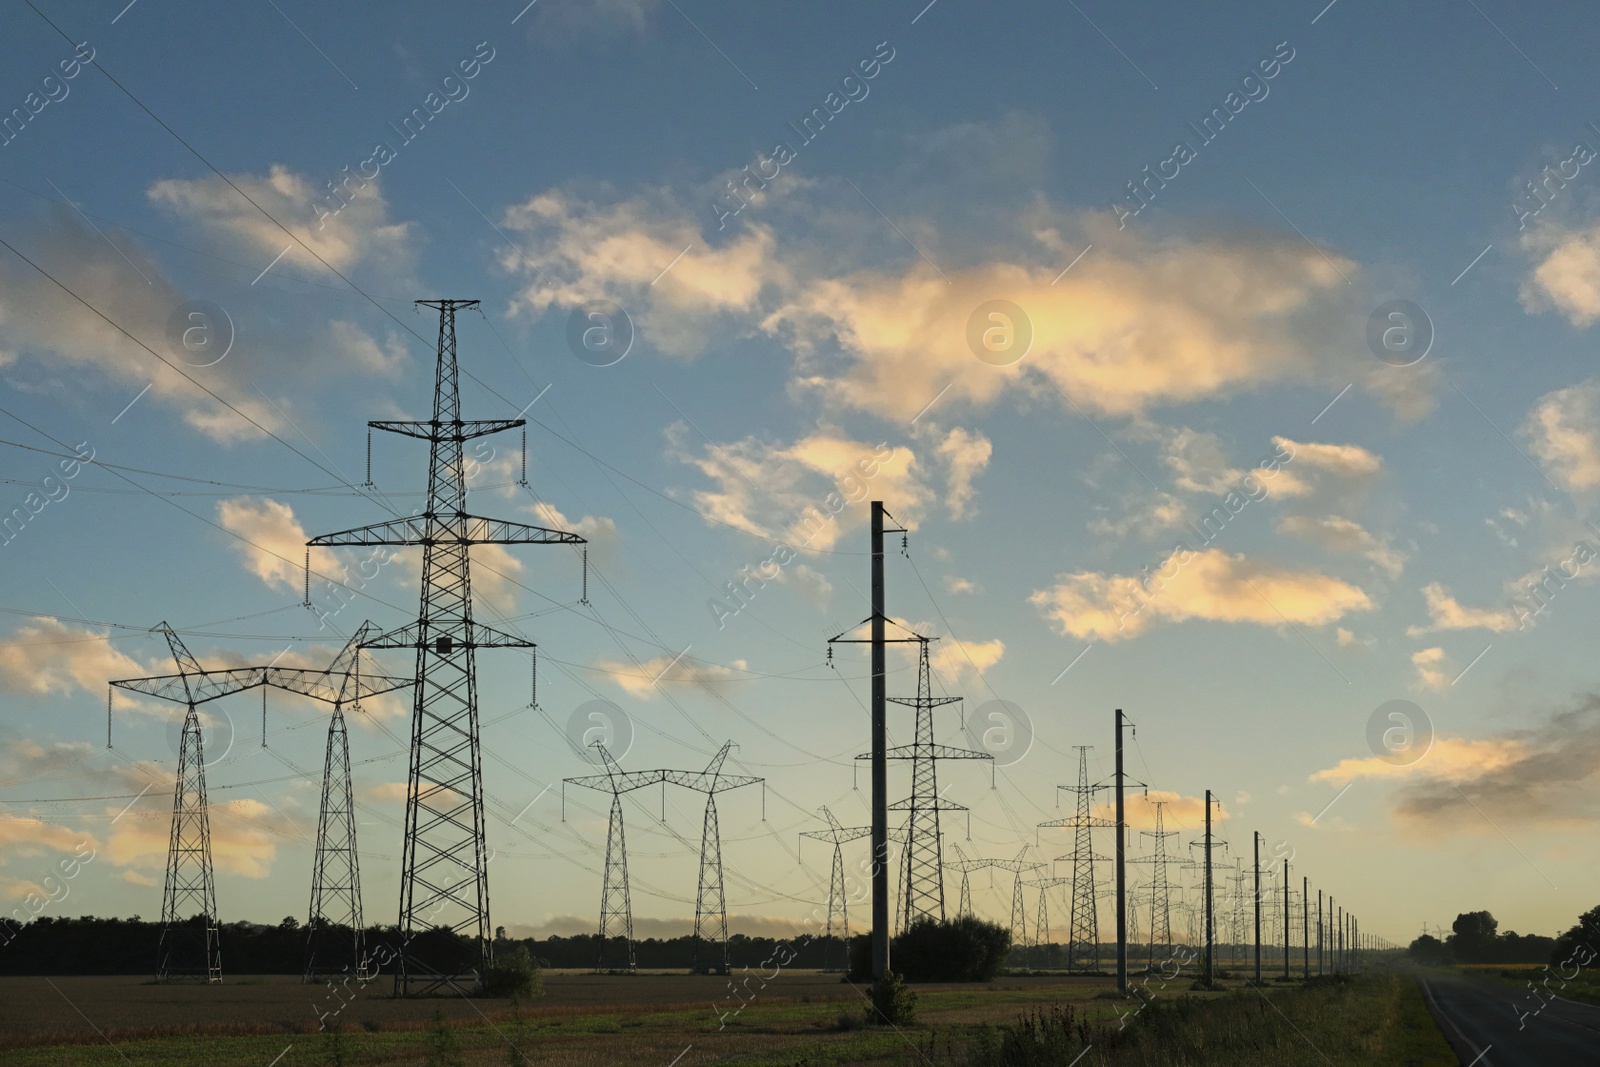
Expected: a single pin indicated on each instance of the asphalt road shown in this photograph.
(1483, 1020)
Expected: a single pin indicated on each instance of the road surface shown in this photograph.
(1484, 1020)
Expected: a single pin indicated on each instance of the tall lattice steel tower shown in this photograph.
(1019, 866)
(1041, 922)
(710, 903)
(616, 905)
(966, 867)
(838, 903)
(1160, 887)
(1083, 939)
(444, 884)
(922, 860)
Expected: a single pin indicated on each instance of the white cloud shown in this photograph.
(50, 658)
(1563, 432)
(1445, 612)
(1430, 667)
(274, 543)
(642, 680)
(951, 658)
(1338, 534)
(1211, 585)
(1567, 274)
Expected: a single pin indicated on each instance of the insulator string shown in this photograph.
(308, 578)
(524, 482)
(368, 483)
(584, 600)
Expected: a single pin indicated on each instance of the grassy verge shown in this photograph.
(1379, 1019)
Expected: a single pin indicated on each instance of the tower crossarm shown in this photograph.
(1075, 821)
(838, 836)
(457, 529)
(200, 687)
(412, 636)
(446, 430)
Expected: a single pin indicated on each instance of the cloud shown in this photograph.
(360, 233)
(642, 680)
(362, 353)
(1144, 324)
(1563, 433)
(1429, 663)
(1338, 534)
(1211, 585)
(567, 19)
(600, 532)
(1445, 612)
(274, 543)
(1348, 639)
(808, 492)
(22, 835)
(43, 323)
(1546, 775)
(950, 658)
(646, 253)
(50, 658)
(1178, 811)
(966, 454)
(1345, 461)
(955, 584)
(244, 837)
(1453, 758)
(1567, 274)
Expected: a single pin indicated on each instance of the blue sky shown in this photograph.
(586, 160)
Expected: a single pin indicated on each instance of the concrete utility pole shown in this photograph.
(1210, 932)
(1122, 873)
(1320, 934)
(1257, 840)
(1305, 922)
(1286, 918)
(880, 764)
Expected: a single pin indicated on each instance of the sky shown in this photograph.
(1232, 368)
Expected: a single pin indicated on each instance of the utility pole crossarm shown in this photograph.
(458, 529)
(618, 782)
(697, 780)
(194, 687)
(937, 751)
(455, 430)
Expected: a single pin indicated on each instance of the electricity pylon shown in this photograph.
(1041, 923)
(1160, 887)
(837, 901)
(922, 861)
(336, 870)
(1018, 866)
(966, 867)
(615, 904)
(710, 903)
(444, 882)
(189, 947)
(1083, 944)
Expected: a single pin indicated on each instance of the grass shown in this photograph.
(1376, 1020)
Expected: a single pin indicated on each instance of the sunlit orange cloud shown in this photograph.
(244, 837)
(1211, 585)
(1178, 811)
(1449, 758)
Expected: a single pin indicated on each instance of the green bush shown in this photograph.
(892, 1002)
(514, 973)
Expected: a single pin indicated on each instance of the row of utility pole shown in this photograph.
(1339, 938)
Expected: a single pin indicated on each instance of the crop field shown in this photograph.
(657, 1020)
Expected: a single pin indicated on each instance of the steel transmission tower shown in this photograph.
(922, 861)
(710, 903)
(1041, 923)
(837, 901)
(1160, 887)
(444, 882)
(616, 907)
(966, 867)
(189, 947)
(1083, 945)
(1019, 917)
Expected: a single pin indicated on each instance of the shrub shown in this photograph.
(514, 973)
(892, 1002)
(961, 950)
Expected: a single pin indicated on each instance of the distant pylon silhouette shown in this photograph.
(1018, 866)
(966, 867)
(1083, 943)
(1041, 924)
(710, 902)
(837, 902)
(616, 908)
(1160, 888)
